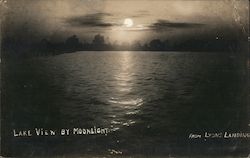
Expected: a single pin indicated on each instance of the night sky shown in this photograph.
(175, 20)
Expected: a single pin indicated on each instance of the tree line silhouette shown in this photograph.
(72, 44)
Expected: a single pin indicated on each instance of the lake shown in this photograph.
(149, 101)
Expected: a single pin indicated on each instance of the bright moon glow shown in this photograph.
(128, 22)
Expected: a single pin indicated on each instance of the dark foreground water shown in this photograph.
(149, 101)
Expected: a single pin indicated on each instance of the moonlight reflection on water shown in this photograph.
(124, 95)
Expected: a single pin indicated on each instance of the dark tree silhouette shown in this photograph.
(156, 44)
(72, 43)
(98, 40)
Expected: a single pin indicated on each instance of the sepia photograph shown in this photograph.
(125, 78)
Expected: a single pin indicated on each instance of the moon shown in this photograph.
(128, 22)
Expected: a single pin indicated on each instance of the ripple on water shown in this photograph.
(122, 122)
(127, 102)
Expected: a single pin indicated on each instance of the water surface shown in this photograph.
(151, 101)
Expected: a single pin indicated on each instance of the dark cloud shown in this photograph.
(166, 24)
(89, 20)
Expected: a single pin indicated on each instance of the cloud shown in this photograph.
(162, 25)
(166, 24)
(134, 28)
(90, 20)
